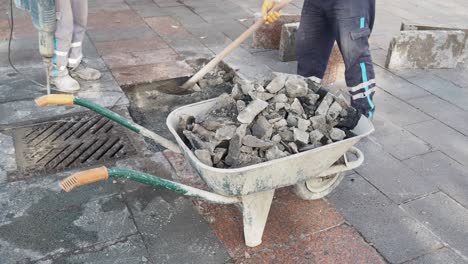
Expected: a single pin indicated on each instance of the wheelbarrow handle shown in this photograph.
(103, 173)
(67, 99)
(349, 165)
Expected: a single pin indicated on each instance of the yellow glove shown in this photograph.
(269, 17)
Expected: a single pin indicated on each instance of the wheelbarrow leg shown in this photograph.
(255, 208)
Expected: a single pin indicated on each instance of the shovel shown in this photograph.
(185, 85)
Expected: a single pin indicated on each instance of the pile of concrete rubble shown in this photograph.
(258, 123)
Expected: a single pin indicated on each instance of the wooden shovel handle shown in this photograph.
(236, 43)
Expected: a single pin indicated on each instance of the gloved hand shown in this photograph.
(269, 17)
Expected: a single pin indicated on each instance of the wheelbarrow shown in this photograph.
(313, 173)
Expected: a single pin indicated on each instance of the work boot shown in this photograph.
(85, 73)
(65, 83)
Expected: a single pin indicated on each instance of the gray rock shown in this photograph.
(315, 136)
(203, 83)
(296, 107)
(204, 156)
(260, 88)
(313, 85)
(240, 105)
(261, 95)
(276, 138)
(312, 98)
(293, 147)
(323, 107)
(277, 84)
(281, 123)
(279, 106)
(214, 123)
(247, 160)
(292, 120)
(246, 149)
(244, 85)
(236, 92)
(254, 142)
(226, 132)
(342, 101)
(241, 131)
(303, 124)
(274, 153)
(334, 111)
(251, 111)
(234, 150)
(202, 132)
(344, 113)
(185, 121)
(337, 134)
(286, 134)
(218, 155)
(318, 122)
(280, 98)
(301, 136)
(262, 128)
(215, 81)
(195, 141)
(296, 87)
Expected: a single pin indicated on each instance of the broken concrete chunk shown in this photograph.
(241, 131)
(251, 111)
(280, 98)
(279, 106)
(281, 123)
(185, 121)
(215, 81)
(204, 133)
(293, 147)
(247, 87)
(234, 150)
(303, 124)
(334, 111)
(313, 84)
(344, 113)
(276, 138)
(318, 121)
(236, 92)
(337, 134)
(247, 160)
(301, 136)
(226, 132)
(262, 128)
(254, 142)
(296, 87)
(203, 83)
(342, 101)
(218, 155)
(261, 95)
(315, 136)
(212, 123)
(246, 149)
(322, 109)
(277, 84)
(204, 156)
(240, 105)
(274, 153)
(286, 134)
(296, 107)
(292, 120)
(312, 98)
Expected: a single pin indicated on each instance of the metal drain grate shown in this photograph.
(78, 141)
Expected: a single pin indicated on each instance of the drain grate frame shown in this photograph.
(78, 141)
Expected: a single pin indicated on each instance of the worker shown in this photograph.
(349, 23)
(72, 16)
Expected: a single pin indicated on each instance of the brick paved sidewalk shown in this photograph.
(407, 203)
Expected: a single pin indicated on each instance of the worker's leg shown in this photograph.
(63, 38)
(354, 21)
(314, 41)
(75, 63)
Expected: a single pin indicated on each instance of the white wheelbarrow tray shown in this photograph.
(255, 184)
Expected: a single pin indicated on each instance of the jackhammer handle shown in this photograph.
(84, 178)
(55, 99)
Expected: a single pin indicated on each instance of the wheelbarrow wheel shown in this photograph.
(317, 188)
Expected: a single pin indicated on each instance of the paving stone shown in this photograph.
(443, 89)
(135, 58)
(153, 72)
(443, 255)
(392, 231)
(287, 46)
(291, 221)
(444, 216)
(172, 229)
(184, 15)
(110, 20)
(122, 34)
(125, 250)
(397, 86)
(37, 219)
(119, 46)
(444, 138)
(444, 111)
(397, 111)
(442, 49)
(268, 36)
(397, 181)
(396, 140)
(445, 173)
(149, 10)
(457, 76)
(167, 27)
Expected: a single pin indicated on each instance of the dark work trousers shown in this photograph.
(349, 23)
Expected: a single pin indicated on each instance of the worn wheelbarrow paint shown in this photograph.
(252, 186)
